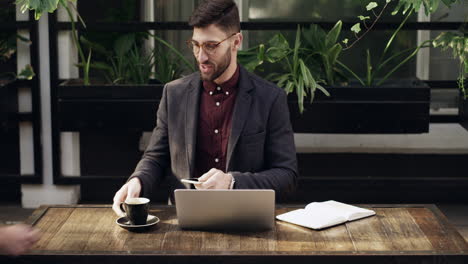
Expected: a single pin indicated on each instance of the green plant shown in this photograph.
(295, 77)
(174, 51)
(167, 68)
(7, 49)
(127, 63)
(322, 51)
(41, 6)
(398, 59)
(459, 45)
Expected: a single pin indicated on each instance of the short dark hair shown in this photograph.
(222, 13)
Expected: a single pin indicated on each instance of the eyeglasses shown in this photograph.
(209, 47)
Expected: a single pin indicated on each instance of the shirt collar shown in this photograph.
(227, 86)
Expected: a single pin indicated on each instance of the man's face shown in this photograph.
(212, 64)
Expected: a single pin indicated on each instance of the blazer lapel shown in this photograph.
(191, 121)
(240, 114)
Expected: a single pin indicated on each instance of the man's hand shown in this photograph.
(131, 189)
(17, 239)
(214, 179)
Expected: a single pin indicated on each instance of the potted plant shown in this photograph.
(368, 105)
(129, 90)
(457, 42)
(340, 107)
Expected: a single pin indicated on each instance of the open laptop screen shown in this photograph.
(225, 209)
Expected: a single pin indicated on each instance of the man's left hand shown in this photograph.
(214, 179)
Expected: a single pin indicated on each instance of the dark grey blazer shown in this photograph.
(261, 153)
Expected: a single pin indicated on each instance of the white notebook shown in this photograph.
(318, 215)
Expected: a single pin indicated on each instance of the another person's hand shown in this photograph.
(214, 179)
(17, 239)
(129, 190)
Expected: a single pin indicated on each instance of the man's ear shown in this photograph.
(238, 41)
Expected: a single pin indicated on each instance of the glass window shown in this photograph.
(110, 11)
(174, 10)
(317, 10)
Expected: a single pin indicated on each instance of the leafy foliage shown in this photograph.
(407, 7)
(39, 6)
(296, 76)
(7, 49)
(127, 63)
(430, 6)
(321, 52)
(459, 45)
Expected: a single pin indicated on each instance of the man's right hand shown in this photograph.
(131, 189)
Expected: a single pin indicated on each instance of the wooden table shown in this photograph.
(397, 234)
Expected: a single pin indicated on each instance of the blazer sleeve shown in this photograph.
(156, 158)
(280, 155)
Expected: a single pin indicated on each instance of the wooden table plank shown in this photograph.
(49, 223)
(154, 238)
(263, 241)
(76, 231)
(402, 230)
(221, 241)
(407, 231)
(368, 234)
(296, 238)
(106, 237)
(433, 230)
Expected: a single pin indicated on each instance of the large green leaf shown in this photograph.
(315, 37)
(371, 6)
(275, 54)
(304, 75)
(95, 46)
(101, 66)
(430, 6)
(27, 73)
(297, 45)
(281, 80)
(333, 34)
(300, 94)
(279, 41)
(278, 48)
(356, 28)
(123, 44)
(323, 90)
(39, 6)
(250, 59)
(289, 87)
(334, 53)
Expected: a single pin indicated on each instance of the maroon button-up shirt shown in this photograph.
(214, 124)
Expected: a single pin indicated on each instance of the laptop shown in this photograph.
(225, 209)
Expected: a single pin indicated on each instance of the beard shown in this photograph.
(217, 68)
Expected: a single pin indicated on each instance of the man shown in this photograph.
(223, 125)
(17, 239)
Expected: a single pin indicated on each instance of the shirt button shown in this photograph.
(216, 160)
(216, 131)
(217, 103)
(211, 92)
(218, 88)
(227, 93)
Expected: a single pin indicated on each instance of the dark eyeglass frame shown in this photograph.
(192, 44)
